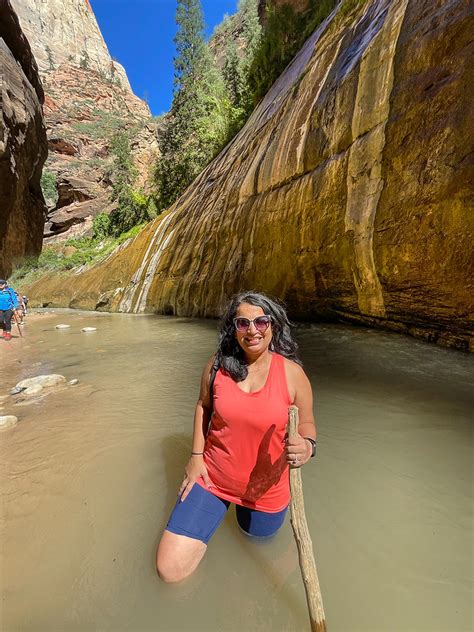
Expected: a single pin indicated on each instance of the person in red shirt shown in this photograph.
(240, 452)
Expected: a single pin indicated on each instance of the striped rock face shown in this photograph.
(346, 193)
(23, 145)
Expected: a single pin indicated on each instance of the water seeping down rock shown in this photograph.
(346, 194)
(23, 145)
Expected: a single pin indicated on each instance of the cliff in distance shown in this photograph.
(61, 31)
(346, 194)
(23, 145)
(88, 100)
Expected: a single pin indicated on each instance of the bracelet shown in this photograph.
(196, 453)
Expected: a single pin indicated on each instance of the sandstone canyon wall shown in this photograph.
(23, 145)
(347, 193)
(66, 31)
(88, 100)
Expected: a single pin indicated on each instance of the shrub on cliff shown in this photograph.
(284, 34)
(133, 207)
(48, 187)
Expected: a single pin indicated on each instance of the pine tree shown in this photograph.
(198, 123)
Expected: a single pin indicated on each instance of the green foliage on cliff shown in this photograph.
(209, 105)
(133, 207)
(101, 226)
(69, 255)
(197, 125)
(238, 61)
(48, 186)
(284, 34)
(105, 125)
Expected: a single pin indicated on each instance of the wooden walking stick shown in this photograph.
(303, 539)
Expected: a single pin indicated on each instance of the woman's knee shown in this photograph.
(170, 571)
(178, 557)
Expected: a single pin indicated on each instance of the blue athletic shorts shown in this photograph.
(201, 513)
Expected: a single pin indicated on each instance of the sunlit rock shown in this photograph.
(34, 389)
(62, 326)
(87, 329)
(42, 380)
(7, 421)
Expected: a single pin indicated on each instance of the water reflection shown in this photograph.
(91, 474)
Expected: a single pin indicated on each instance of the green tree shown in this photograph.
(198, 123)
(133, 207)
(237, 63)
(101, 226)
(48, 186)
(124, 172)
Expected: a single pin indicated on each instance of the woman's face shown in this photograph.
(252, 341)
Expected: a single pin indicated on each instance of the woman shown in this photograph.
(244, 457)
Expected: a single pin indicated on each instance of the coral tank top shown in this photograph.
(244, 451)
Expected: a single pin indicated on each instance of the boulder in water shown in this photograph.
(73, 382)
(62, 326)
(86, 329)
(7, 421)
(34, 389)
(15, 390)
(42, 380)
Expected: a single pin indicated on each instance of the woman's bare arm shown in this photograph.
(301, 394)
(196, 467)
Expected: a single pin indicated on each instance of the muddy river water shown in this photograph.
(90, 473)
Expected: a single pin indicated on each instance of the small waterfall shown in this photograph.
(150, 273)
(149, 262)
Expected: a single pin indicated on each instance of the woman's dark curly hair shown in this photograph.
(229, 354)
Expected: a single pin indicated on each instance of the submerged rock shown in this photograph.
(73, 382)
(41, 380)
(86, 329)
(61, 326)
(7, 421)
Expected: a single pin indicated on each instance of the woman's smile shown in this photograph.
(252, 341)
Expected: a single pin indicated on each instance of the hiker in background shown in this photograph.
(8, 303)
(25, 303)
(21, 307)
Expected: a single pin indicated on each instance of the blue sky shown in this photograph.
(139, 34)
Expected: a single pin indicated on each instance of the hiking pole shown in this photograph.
(17, 324)
(303, 539)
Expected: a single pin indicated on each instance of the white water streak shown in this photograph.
(128, 299)
(150, 273)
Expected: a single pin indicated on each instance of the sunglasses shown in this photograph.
(261, 323)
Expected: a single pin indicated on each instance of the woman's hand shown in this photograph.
(298, 451)
(193, 470)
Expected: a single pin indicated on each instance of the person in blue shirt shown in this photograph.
(8, 303)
